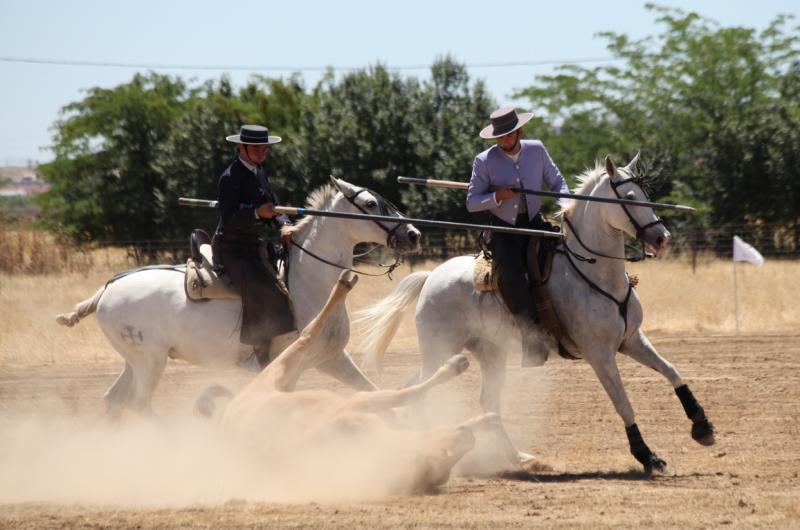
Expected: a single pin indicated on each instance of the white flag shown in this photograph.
(745, 252)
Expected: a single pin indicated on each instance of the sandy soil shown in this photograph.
(749, 385)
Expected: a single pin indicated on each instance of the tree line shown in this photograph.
(714, 110)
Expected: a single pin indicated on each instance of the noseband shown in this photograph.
(386, 208)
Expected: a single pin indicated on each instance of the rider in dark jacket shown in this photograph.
(246, 203)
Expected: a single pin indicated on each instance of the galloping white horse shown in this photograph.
(148, 318)
(590, 291)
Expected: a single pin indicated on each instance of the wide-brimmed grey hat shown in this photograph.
(504, 121)
(253, 135)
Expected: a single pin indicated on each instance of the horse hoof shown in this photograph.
(703, 433)
(459, 362)
(655, 465)
(348, 279)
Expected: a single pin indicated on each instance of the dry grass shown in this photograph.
(676, 301)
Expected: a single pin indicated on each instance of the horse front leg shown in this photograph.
(384, 400)
(639, 348)
(605, 366)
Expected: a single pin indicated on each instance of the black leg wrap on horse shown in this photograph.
(641, 452)
(690, 405)
(702, 429)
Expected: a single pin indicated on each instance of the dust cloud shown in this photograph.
(181, 459)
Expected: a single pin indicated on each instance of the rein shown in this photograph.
(386, 208)
(639, 228)
(390, 268)
(622, 306)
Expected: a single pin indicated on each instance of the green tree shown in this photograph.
(190, 161)
(714, 110)
(359, 128)
(103, 179)
(448, 115)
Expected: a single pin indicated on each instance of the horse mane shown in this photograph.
(586, 183)
(319, 199)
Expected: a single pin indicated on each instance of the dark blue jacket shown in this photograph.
(241, 192)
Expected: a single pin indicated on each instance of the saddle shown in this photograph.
(540, 264)
(202, 282)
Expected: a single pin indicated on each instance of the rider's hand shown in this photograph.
(286, 233)
(266, 211)
(505, 193)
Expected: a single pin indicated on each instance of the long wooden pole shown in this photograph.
(451, 184)
(292, 210)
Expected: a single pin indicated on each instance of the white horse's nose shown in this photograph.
(414, 235)
(663, 241)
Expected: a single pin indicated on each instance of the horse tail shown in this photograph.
(81, 309)
(205, 405)
(378, 323)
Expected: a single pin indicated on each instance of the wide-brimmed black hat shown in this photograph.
(253, 135)
(504, 121)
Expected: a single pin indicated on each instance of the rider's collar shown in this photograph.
(248, 165)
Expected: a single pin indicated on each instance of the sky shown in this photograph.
(301, 35)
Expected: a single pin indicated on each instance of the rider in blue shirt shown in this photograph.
(514, 163)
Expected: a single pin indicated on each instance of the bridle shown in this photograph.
(386, 208)
(622, 305)
(638, 227)
(638, 181)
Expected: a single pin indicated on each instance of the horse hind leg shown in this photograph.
(119, 392)
(147, 373)
(493, 377)
(639, 348)
(345, 370)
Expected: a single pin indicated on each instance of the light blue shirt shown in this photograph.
(534, 170)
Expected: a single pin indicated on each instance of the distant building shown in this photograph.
(20, 181)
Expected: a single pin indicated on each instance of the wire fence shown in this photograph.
(772, 241)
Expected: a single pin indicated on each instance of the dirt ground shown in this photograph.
(749, 385)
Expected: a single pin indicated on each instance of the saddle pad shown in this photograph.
(484, 274)
(202, 283)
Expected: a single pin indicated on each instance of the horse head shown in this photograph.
(636, 221)
(400, 236)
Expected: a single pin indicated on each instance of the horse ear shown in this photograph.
(610, 168)
(633, 165)
(343, 186)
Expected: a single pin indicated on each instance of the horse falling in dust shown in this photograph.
(590, 291)
(148, 318)
(271, 419)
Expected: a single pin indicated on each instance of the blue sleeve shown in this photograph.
(479, 196)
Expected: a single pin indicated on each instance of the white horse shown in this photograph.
(590, 290)
(148, 318)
